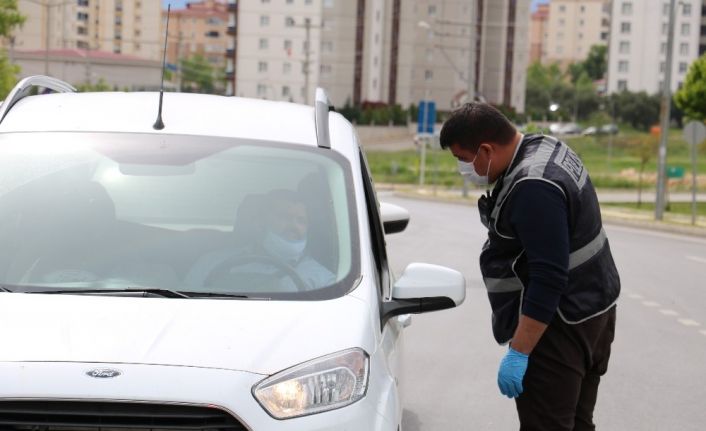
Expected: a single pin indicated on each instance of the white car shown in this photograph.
(226, 271)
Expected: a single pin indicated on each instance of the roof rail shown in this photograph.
(322, 106)
(22, 88)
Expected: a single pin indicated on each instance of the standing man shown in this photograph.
(547, 266)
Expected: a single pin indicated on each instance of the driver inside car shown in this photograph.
(280, 248)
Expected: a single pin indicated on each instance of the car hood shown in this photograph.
(261, 337)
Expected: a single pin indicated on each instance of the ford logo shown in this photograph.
(103, 373)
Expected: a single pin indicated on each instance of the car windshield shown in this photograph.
(202, 215)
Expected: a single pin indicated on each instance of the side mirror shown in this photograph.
(394, 218)
(423, 288)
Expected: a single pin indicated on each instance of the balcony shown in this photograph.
(232, 6)
(230, 75)
(230, 53)
(232, 30)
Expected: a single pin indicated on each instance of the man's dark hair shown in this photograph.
(475, 123)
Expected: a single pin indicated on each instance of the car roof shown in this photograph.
(183, 114)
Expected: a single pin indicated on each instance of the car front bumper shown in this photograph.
(228, 390)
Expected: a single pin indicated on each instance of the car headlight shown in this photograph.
(320, 385)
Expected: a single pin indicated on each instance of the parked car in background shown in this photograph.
(590, 131)
(570, 129)
(224, 270)
(609, 129)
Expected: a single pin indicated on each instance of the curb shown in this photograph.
(610, 216)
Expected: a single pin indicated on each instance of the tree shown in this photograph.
(639, 109)
(594, 66)
(546, 85)
(99, 86)
(10, 18)
(691, 97)
(197, 75)
(644, 149)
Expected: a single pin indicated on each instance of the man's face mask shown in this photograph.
(286, 250)
(468, 171)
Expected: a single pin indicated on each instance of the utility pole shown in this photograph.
(665, 114)
(472, 60)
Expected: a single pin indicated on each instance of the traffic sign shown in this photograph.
(694, 132)
(426, 118)
(675, 172)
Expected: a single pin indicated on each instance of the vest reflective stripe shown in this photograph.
(503, 285)
(537, 163)
(589, 250)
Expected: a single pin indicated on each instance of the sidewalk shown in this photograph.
(672, 223)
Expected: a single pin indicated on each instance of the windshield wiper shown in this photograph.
(5, 289)
(220, 295)
(167, 293)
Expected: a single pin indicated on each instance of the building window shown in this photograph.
(83, 2)
(686, 9)
(583, 9)
(627, 8)
(289, 22)
(662, 67)
(264, 1)
(624, 47)
(562, 8)
(625, 27)
(82, 16)
(326, 69)
(82, 44)
(622, 85)
(285, 91)
(212, 34)
(684, 49)
(663, 48)
(562, 21)
(286, 68)
(685, 29)
(665, 28)
(432, 10)
(580, 35)
(428, 75)
(307, 1)
(581, 23)
(622, 66)
(327, 46)
(665, 10)
(262, 66)
(290, 1)
(604, 36)
(264, 21)
(683, 67)
(82, 30)
(288, 45)
(264, 44)
(261, 90)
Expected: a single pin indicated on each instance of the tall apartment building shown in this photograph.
(119, 26)
(388, 51)
(539, 33)
(200, 28)
(637, 53)
(573, 27)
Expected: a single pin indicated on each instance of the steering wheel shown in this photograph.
(236, 261)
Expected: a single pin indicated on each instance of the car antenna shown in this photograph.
(159, 124)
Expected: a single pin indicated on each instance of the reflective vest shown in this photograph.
(593, 285)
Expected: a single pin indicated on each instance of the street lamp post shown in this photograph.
(665, 112)
(47, 5)
(423, 139)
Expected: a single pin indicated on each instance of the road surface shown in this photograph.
(657, 377)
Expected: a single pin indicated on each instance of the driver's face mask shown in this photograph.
(282, 248)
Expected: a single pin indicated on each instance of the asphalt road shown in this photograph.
(657, 376)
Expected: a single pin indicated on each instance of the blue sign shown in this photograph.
(426, 117)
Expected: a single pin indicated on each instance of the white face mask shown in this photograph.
(468, 171)
(284, 249)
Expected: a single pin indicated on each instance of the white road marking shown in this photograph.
(689, 322)
(650, 303)
(697, 259)
(668, 312)
(635, 296)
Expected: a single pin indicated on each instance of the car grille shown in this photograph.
(107, 416)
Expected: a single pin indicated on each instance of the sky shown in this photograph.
(180, 3)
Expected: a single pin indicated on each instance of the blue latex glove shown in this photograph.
(512, 371)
